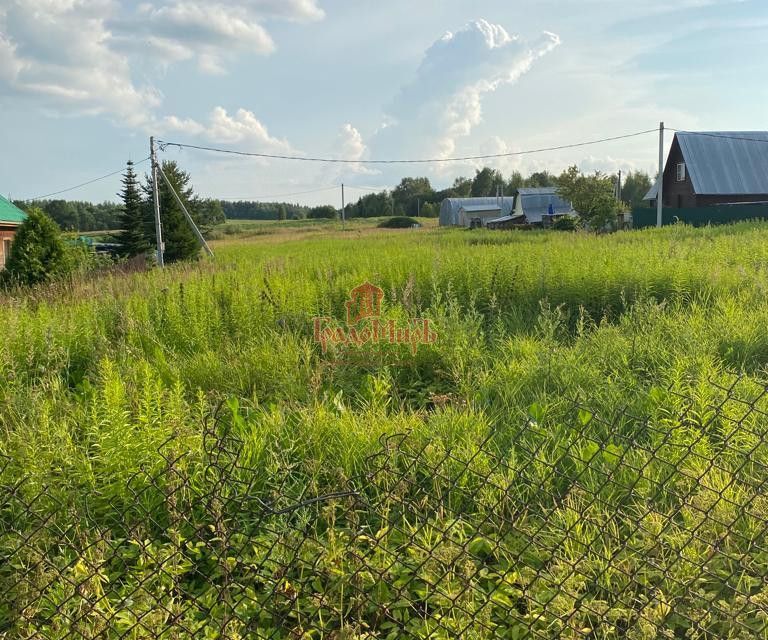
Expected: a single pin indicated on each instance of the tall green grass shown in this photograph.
(99, 376)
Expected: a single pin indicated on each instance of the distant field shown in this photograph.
(250, 228)
(100, 376)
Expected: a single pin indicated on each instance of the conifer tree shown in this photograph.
(178, 237)
(133, 217)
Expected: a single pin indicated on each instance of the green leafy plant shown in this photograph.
(399, 222)
(38, 252)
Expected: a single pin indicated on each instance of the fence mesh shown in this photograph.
(597, 527)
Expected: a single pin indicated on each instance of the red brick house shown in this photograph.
(714, 168)
(11, 218)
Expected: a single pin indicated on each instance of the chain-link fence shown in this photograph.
(612, 527)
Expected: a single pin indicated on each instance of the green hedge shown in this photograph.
(700, 216)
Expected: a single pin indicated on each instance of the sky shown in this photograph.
(85, 83)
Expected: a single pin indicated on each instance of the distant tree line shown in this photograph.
(416, 197)
(77, 215)
(246, 210)
(411, 197)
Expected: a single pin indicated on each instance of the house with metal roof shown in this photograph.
(540, 205)
(461, 212)
(11, 218)
(714, 168)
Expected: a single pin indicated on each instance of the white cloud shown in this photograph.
(294, 10)
(444, 102)
(81, 56)
(242, 129)
(351, 143)
(10, 64)
(210, 32)
(58, 50)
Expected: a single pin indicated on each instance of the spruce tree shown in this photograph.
(133, 237)
(180, 241)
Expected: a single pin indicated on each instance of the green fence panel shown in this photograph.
(700, 216)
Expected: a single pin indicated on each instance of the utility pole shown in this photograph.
(156, 199)
(418, 207)
(618, 187)
(343, 207)
(659, 195)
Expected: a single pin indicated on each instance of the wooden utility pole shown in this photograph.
(156, 199)
(343, 207)
(660, 194)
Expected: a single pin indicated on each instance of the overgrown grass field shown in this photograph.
(104, 382)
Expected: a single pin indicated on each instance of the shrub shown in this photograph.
(38, 253)
(565, 223)
(325, 211)
(399, 222)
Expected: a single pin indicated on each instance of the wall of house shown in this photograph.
(6, 233)
(709, 201)
(677, 194)
(681, 195)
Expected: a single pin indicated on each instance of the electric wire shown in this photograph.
(281, 195)
(164, 144)
(84, 184)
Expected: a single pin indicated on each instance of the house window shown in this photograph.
(681, 171)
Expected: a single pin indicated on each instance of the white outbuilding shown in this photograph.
(460, 212)
(537, 206)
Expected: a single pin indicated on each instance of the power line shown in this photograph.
(281, 195)
(83, 184)
(164, 144)
(376, 189)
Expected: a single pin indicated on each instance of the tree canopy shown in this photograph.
(636, 185)
(133, 237)
(179, 239)
(38, 252)
(592, 196)
(324, 211)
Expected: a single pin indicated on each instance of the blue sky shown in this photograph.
(83, 83)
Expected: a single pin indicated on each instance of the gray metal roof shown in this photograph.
(481, 207)
(724, 162)
(505, 218)
(651, 195)
(535, 203)
(537, 191)
(449, 209)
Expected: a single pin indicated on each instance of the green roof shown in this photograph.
(9, 212)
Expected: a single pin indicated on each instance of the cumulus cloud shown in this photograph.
(80, 74)
(210, 32)
(348, 145)
(81, 56)
(294, 10)
(242, 129)
(444, 101)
